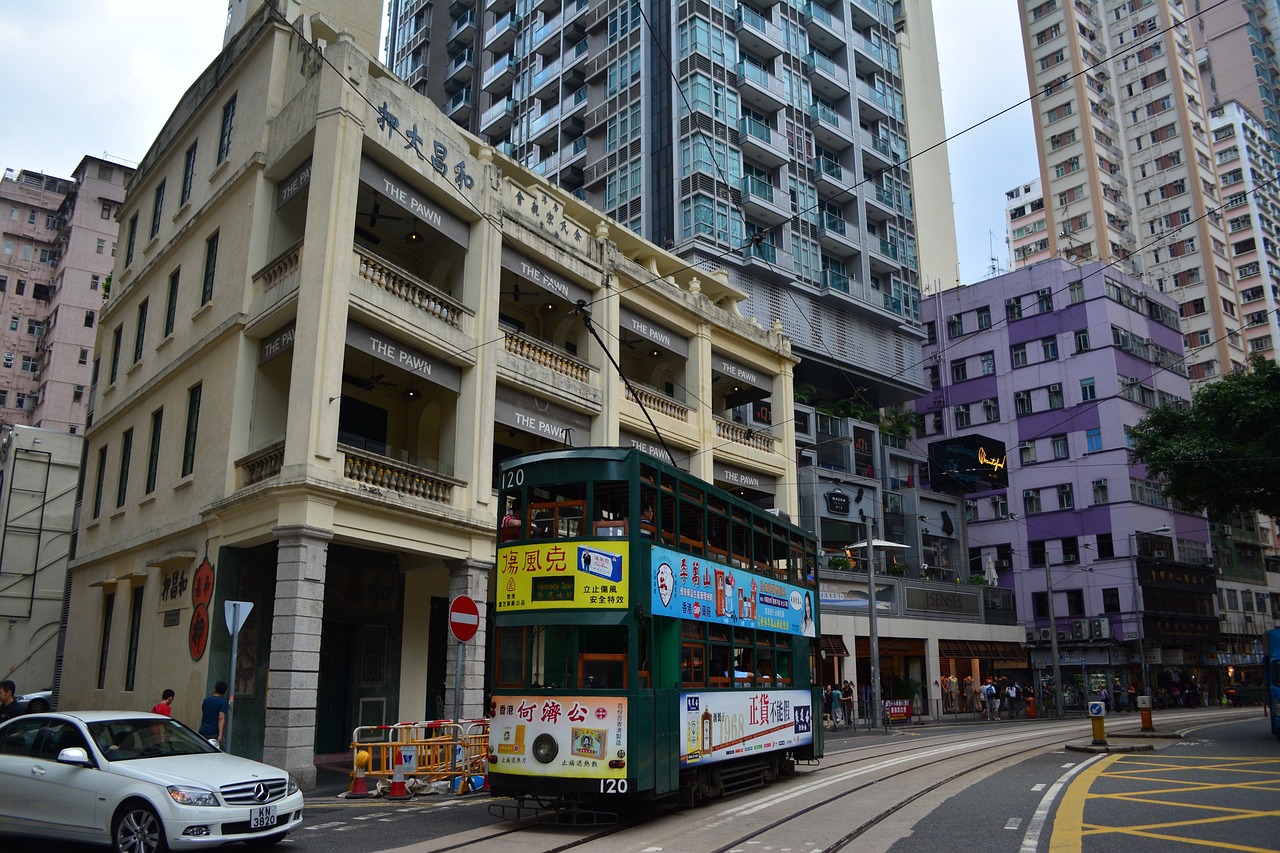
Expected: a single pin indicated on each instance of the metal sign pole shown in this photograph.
(235, 621)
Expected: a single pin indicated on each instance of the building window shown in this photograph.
(193, 425)
(1049, 347)
(126, 455)
(102, 246)
(1070, 550)
(210, 267)
(1066, 498)
(1037, 554)
(1110, 599)
(77, 393)
(153, 451)
(984, 317)
(171, 303)
(84, 355)
(98, 483)
(139, 339)
(1013, 308)
(1075, 602)
(1093, 440)
(1082, 340)
(188, 174)
(1018, 355)
(135, 629)
(224, 134)
(104, 643)
(1055, 397)
(8, 360)
(1022, 403)
(992, 408)
(116, 339)
(1000, 504)
(955, 326)
(963, 418)
(1027, 452)
(988, 360)
(1105, 546)
(157, 209)
(36, 328)
(959, 371)
(131, 239)
(1031, 501)
(1101, 495)
(1059, 447)
(14, 322)
(1088, 390)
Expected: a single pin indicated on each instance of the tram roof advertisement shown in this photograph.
(562, 576)
(729, 724)
(693, 588)
(580, 736)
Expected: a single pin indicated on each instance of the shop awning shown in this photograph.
(834, 646)
(981, 649)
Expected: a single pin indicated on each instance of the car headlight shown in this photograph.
(184, 796)
(293, 785)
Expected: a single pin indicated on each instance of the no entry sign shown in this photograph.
(464, 617)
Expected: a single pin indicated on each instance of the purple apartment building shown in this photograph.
(1036, 375)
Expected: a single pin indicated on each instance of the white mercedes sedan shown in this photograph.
(142, 783)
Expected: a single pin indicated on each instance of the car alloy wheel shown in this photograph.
(37, 706)
(138, 830)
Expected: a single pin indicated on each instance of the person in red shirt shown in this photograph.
(165, 705)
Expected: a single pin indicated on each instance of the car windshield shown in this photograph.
(124, 740)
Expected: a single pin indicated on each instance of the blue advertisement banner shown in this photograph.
(694, 588)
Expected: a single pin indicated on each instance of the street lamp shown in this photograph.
(871, 544)
(1138, 606)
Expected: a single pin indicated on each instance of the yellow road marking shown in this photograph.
(1068, 822)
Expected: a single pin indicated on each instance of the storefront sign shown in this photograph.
(951, 602)
(696, 589)
(655, 449)
(391, 351)
(539, 275)
(297, 181)
(534, 415)
(740, 478)
(837, 501)
(741, 374)
(276, 344)
(592, 731)
(559, 576)
(897, 710)
(654, 333)
(394, 188)
(723, 725)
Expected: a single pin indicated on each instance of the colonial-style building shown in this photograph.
(333, 313)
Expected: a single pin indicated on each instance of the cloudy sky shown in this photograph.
(101, 77)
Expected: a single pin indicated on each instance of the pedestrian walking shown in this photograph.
(213, 714)
(846, 703)
(8, 707)
(165, 705)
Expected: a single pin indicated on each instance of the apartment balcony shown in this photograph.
(763, 202)
(496, 120)
(499, 76)
(548, 6)
(544, 129)
(261, 465)
(762, 144)
(875, 102)
(459, 106)
(430, 306)
(544, 354)
(825, 30)
(498, 7)
(655, 402)
(826, 77)
(832, 179)
(869, 56)
(759, 89)
(838, 236)
(769, 260)
(461, 68)
(502, 35)
(545, 81)
(867, 12)
(544, 41)
(757, 34)
(574, 104)
(376, 471)
(876, 152)
(464, 26)
(830, 129)
(737, 433)
(882, 204)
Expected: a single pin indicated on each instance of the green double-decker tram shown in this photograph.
(655, 636)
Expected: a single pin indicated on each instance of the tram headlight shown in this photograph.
(545, 748)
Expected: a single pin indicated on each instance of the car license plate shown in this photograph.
(262, 816)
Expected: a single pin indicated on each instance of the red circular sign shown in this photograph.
(464, 617)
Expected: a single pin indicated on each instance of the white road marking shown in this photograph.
(1039, 787)
(1031, 841)
(1013, 823)
(328, 825)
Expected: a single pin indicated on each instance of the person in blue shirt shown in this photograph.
(213, 714)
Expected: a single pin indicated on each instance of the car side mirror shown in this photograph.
(75, 755)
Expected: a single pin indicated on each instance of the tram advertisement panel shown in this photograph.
(693, 588)
(562, 736)
(718, 726)
(562, 576)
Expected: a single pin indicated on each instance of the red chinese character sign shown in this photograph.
(201, 595)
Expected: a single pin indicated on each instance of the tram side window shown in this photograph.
(510, 671)
(693, 669)
(552, 654)
(609, 508)
(602, 659)
(558, 512)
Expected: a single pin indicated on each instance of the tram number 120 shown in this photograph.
(613, 786)
(512, 479)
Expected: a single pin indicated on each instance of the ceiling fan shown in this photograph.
(373, 380)
(375, 213)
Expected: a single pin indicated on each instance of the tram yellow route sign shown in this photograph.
(563, 575)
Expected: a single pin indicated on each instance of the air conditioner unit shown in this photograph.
(1080, 629)
(1159, 555)
(1045, 634)
(1226, 530)
(1063, 636)
(1031, 635)
(954, 318)
(1055, 388)
(1012, 300)
(1044, 292)
(1101, 628)
(1069, 558)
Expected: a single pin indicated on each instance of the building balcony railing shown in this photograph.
(742, 434)
(656, 402)
(409, 288)
(381, 472)
(261, 465)
(279, 268)
(544, 354)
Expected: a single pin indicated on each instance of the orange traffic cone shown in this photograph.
(398, 791)
(359, 787)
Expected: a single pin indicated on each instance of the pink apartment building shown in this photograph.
(58, 245)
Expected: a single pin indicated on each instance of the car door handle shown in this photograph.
(37, 771)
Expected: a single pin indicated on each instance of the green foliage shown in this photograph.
(1222, 453)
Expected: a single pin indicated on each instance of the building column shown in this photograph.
(468, 577)
(293, 675)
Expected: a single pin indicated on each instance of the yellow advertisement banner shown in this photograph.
(563, 575)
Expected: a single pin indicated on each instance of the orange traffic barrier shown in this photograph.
(408, 758)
